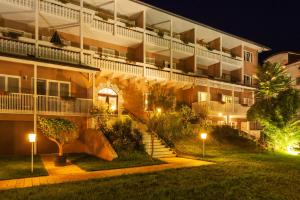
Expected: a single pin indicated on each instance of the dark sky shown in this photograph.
(274, 23)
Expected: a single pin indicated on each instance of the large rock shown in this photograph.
(92, 142)
(98, 145)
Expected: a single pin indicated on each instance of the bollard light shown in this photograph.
(32, 137)
(32, 140)
(203, 137)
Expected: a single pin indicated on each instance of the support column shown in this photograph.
(208, 94)
(35, 105)
(81, 32)
(243, 64)
(232, 94)
(221, 56)
(115, 16)
(36, 26)
(171, 48)
(195, 51)
(144, 42)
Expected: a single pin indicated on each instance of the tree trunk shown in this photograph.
(60, 150)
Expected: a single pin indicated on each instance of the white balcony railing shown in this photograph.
(215, 107)
(207, 54)
(56, 9)
(103, 26)
(57, 54)
(24, 103)
(126, 32)
(177, 46)
(232, 61)
(56, 105)
(16, 102)
(158, 41)
(157, 74)
(16, 47)
(21, 3)
(113, 66)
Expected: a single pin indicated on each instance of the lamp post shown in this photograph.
(203, 137)
(32, 140)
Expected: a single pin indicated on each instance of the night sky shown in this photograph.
(273, 23)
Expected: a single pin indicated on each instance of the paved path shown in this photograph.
(80, 175)
(53, 170)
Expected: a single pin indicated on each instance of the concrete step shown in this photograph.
(156, 146)
(163, 155)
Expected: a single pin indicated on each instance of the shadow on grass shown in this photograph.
(125, 160)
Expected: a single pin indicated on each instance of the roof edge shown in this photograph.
(264, 47)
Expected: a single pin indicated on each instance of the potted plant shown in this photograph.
(61, 131)
(160, 33)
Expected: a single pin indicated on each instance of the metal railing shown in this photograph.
(47, 105)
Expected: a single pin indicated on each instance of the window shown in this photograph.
(2, 83)
(13, 84)
(248, 56)
(150, 60)
(41, 87)
(247, 80)
(226, 99)
(64, 89)
(108, 52)
(298, 81)
(53, 88)
(10, 83)
(202, 96)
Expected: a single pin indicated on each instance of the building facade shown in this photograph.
(62, 57)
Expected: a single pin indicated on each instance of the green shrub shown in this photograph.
(171, 126)
(123, 136)
(227, 134)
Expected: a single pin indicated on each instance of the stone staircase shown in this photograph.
(160, 149)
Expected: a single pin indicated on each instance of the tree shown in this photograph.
(59, 130)
(272, 79)
(276, 106)
(161, 97)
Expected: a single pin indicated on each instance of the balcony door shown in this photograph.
(109, 98)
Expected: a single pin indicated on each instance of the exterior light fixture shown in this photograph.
(291, 150)
(32, 140)
(203, 137)
(158, 110)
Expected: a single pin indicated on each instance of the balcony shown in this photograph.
(215, 107)
(232, 62)
(18, 103)
(214, 55)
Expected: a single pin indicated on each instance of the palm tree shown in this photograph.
(272, 79)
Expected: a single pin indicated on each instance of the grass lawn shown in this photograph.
(12, 167)
(132, 159)
(237, 175)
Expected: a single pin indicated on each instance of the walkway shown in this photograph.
(75, 174)
(53, 170)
